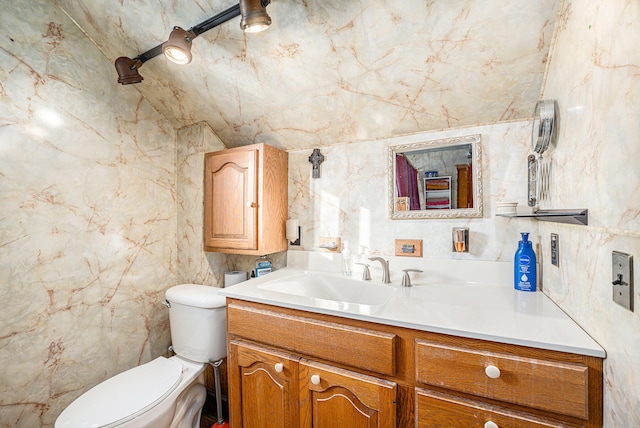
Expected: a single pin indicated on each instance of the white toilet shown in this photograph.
(165, 392)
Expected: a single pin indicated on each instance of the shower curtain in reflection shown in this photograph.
(407, 181)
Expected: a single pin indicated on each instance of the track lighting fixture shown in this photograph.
(178, 47)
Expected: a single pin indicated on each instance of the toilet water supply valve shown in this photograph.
(216, 377)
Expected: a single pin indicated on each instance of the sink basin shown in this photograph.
(333, 291)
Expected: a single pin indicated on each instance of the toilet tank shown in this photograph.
(197, 320)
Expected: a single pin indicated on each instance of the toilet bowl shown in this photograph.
(165, 392)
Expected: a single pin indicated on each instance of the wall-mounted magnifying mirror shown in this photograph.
(436, 179)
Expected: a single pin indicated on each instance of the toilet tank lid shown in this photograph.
(199, 296)
(124, 396)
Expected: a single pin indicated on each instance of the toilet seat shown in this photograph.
(124, 396)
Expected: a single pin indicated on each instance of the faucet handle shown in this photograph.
(406, 279)
(366, 274)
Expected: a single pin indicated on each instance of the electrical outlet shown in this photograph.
(622, 279)
(555, 249)
(408, 247)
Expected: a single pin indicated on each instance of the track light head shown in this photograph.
(254, 15)
(178, 48)
(128, 71)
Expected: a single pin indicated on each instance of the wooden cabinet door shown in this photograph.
(332, 397)
(263, 387)
(230, 217)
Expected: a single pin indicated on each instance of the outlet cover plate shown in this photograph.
(622, 279)
(408, 247)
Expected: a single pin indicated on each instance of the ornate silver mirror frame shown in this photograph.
(399, 208)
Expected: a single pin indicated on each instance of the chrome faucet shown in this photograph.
(386, 278)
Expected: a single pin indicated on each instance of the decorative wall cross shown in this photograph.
(316, 159)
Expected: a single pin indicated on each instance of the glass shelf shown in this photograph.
(580, 216)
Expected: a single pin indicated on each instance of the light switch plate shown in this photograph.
(555, 249)
(622, 279)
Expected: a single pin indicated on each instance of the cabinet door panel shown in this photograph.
(263, 387)
(331, 397)
(230, 189)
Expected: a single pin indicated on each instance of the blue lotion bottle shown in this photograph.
(524, 266)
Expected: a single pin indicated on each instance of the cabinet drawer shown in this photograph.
(554, 386)
(357, 347)
(434, 409)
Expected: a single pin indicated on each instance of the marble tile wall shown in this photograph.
(194, 265)
(594, 76)
(88, 217)
(350, 198)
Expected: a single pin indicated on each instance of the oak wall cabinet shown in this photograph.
(246, 200)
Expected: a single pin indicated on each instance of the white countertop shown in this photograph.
(481, 311)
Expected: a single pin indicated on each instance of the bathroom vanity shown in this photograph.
(415, 357)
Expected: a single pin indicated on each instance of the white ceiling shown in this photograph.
(334, 71)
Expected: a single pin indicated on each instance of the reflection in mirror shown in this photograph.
(436, 179)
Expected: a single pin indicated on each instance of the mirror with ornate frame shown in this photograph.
(436, 179)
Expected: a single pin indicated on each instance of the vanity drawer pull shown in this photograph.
(278, 367)
(494, 373)
(490, 424)
(315, 379)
